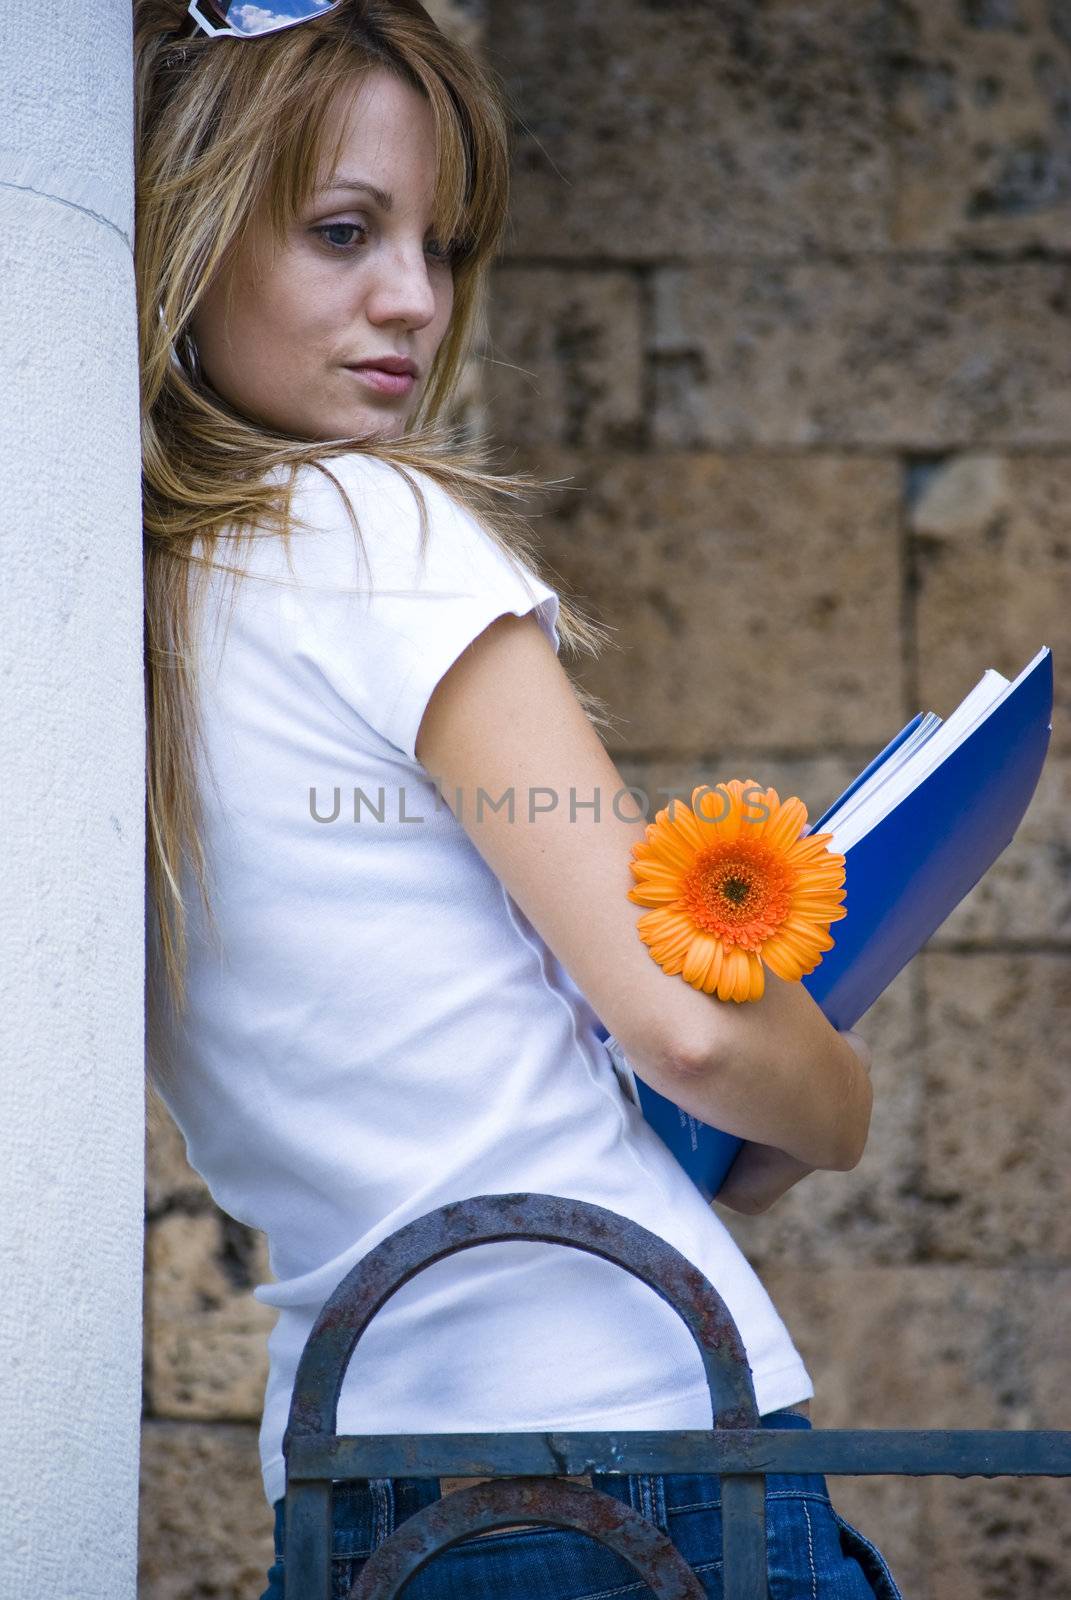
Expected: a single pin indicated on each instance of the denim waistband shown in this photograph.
(367, 1511)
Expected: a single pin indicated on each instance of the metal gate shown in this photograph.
(737, 1447)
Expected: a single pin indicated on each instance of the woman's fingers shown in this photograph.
(859, 1045)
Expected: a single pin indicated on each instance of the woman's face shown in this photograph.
(359, 279)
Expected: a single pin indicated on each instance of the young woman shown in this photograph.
(367, 994)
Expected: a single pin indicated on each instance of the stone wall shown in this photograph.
(787, 303)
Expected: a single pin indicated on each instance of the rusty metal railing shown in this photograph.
(736, 1447)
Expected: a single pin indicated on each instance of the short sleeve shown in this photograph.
(384, 627)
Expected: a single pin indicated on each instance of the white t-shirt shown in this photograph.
(385, 1031)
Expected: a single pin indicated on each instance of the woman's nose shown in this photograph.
(402, 290)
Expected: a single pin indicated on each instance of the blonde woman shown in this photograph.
(368, 997)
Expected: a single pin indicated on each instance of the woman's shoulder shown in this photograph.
(412, 527)
(378, 484)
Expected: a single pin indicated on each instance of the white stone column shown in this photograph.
(71, 808)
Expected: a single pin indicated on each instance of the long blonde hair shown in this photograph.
(224, 127)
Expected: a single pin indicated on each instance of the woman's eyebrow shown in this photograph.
(380, 196)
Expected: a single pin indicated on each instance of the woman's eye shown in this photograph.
(443, 253)
(338, 227)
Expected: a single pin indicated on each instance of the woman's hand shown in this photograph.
(860, 1046)
(761, 1173)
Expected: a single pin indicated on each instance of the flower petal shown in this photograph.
(654, 892)
(673, 850)
(680, 822)
(673, 945)
(799, 944)
(816, 849)
(713, 972)
(720, 820)
(783, 829)
(780, 960)
(743, 979)
(819, 910)
(655, 924)
(768, 798)
(729, 981)
(699, 957)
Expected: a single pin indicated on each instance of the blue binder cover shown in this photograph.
(902, 879)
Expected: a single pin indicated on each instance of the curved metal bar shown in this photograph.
(448, 1521)
(488, 1219)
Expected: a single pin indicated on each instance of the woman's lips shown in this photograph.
(392, 383)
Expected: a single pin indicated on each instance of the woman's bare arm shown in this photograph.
(505, 716)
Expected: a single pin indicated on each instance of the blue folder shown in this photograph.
(902, 879)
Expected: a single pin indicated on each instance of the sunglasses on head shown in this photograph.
(249, 19)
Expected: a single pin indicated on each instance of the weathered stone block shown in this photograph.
(462, 20)
(911, 353)
(646, 131)
(205, 1528)
(567, 364)
(980, 96)
(169, 1178)
(930, 1346)
(992, 563)
(933, 1347)
(758, 599)
(996, 1185)
(207, 1333)
(1000, 1539)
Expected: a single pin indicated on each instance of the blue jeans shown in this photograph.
(813, 1554)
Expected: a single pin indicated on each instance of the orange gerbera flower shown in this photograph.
(732, 888)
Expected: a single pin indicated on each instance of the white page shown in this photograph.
(896, 779)
(889, 767)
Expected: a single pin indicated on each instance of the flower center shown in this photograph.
(739, 892)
